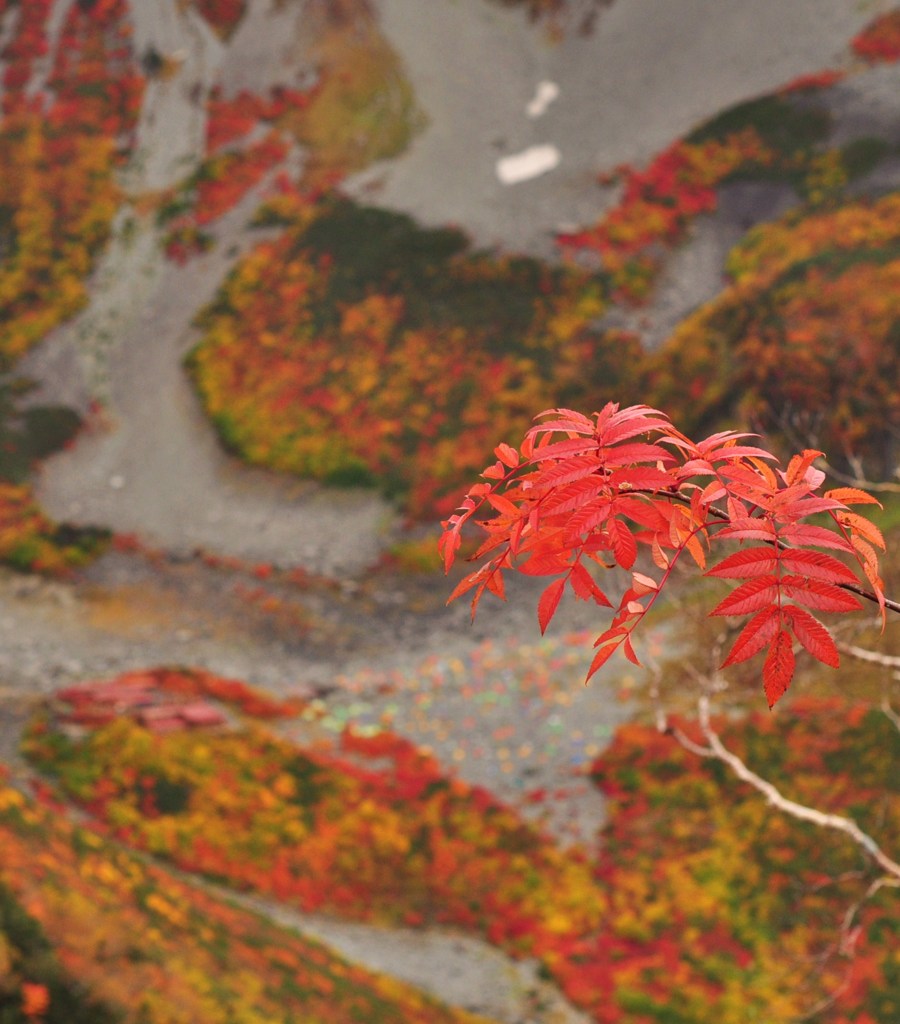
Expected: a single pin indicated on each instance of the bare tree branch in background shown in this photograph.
(716, 749)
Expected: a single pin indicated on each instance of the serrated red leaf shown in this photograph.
(798, 508)
(746, 564)
(638, 451)
(624, 546)
(660, 558)
(695, 549)
(748, 529)
(545, 564)
(778, 670)
(737, 511)
(641, 510)
(467, 583)
(507, 455)
(749, 597)
(609, 648)
(868, 559)
(625, 431)
(448, 546)
(755, 635)
(496, 584)
(823, 597)
(852, 496)
(859, 524)
(817, 566)
(584, 586)
(642, 584)
(515, 537)
(799, 466)
(868, 553)
(549, 602)
(629, 652)
(586, 518)
(566, 472)
(574, 420)
(570, 497)
(502, 504)
(813, 636)
(815, 536)
(564, 449)
(712, 492)
(738, 452)
(696, 467)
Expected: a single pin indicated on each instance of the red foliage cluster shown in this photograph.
(69, 106)
(67, 119)
(590, 491)
(660, 202)
(166, 700)
(247, 700)
(223, 15)
(234, 164)
(97, 86)
(699, 901)
(230, 120)
(222, 183)
(880, 40)
(91, 933)
(410, 772)
(812, 310)
(816, 80)
(28, 44)
(232, 176)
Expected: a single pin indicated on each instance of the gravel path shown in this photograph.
(155, 468)
(473, 975)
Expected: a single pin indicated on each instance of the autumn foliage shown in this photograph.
(90, 934)
(58, 157)
(223, 15)
(68, 112)
(586, 493)
(358, 348)
(879, 41)
(813, 309)
(699, 904)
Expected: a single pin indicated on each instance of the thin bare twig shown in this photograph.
(857, 480)
(715, 748)
(846, 945)
(885, 661)
(863, 654)
(849, 934)
(891, 714)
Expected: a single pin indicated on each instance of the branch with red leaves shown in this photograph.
(584, 494)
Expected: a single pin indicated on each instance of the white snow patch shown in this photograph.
(544, 95)
(528, 164)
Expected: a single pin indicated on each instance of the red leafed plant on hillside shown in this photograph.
(585, 492)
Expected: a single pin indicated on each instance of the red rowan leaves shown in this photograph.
(778, 669)
(549, 602)
(604, 488)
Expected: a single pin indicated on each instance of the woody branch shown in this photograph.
(716, 749)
